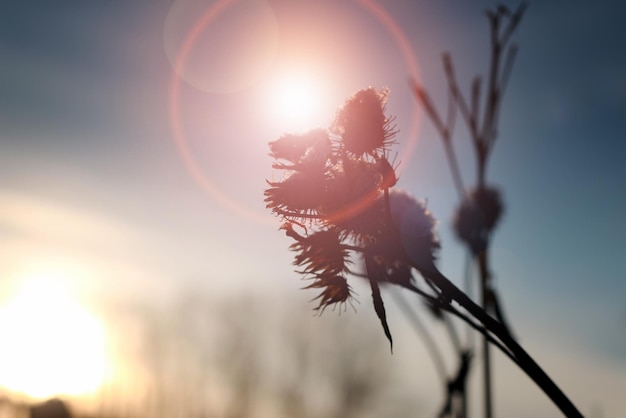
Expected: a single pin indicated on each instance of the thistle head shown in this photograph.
(335, 291)
(477, 216)
(335, 188)
(306, 151)
(416, 227)
(362, 124)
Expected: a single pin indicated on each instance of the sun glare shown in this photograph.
(296, 101)
(51, 345)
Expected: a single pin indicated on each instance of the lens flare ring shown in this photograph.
(178, 131)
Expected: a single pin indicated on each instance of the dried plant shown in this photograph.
(338, 202)
(481, 207)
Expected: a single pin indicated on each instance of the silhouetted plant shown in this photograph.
(337, 201)
(480, 208)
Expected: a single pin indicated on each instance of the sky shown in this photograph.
(135, 165)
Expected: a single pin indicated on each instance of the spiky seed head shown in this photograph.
(362, 124)
(477, 216)
(416, 227)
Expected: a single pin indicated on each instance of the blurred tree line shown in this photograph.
(243, 357)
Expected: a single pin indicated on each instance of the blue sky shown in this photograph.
(86, 141)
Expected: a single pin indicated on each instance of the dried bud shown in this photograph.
(296, 197)
(321, 253)
(306, 152)
(490, 203)
(362, 125)
(477, 216)
(336, 290)
(416, 226)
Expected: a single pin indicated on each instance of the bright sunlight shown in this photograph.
(297, 100)
(51, 345)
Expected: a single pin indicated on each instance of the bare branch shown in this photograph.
(522, 358)
(428, 340)
(475, 104)
(508, 68)
(457, 95)
(513, 23)
(424, 98)
(501, 87)
(444, 132)
(481, 329)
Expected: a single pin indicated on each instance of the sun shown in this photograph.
(51, 345)
(297, 101)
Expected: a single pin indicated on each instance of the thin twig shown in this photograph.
(502, 84)
(454, 335)
(424, 98)
(509, 60)
(452, 310)
(492, 100)
(466, 110)
(468, 290)
(513, 22)
(422, 331)
(524, 360)
(475, 106)
(444, 133)
(454, 168)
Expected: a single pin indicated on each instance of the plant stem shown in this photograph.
(422, 331)
(477, 327)
(487, 378)
(524, 360)
(484, 279)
